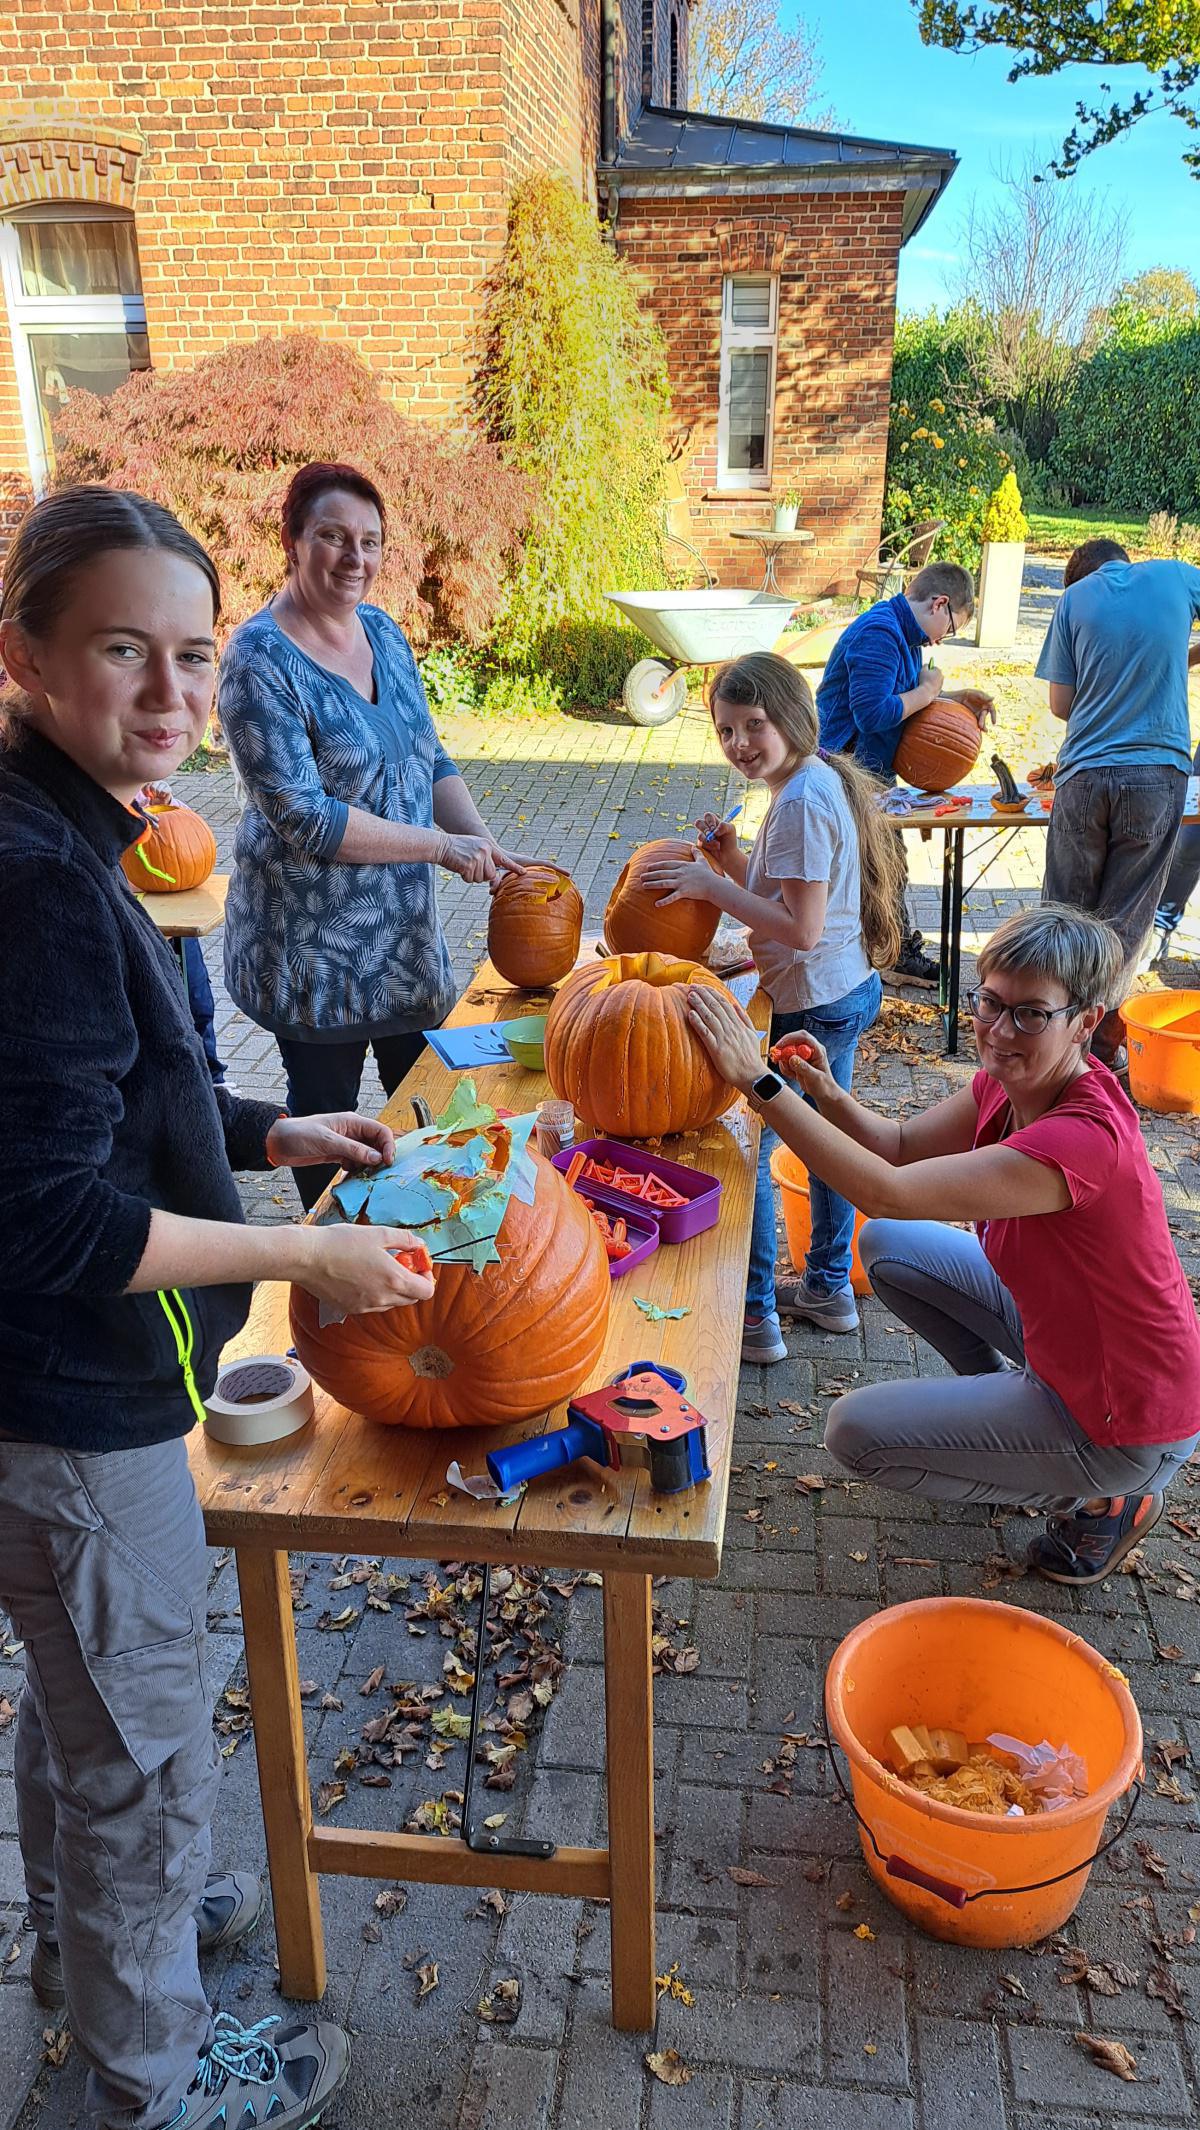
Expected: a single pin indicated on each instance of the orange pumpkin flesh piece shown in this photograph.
(938, 747)
(534, 926)
(490, 1348)
(635, 922)
(176, 852)
(620, 1048)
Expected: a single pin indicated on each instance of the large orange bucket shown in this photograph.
(976, 1667)
(792, 1177)
(1163, 1033)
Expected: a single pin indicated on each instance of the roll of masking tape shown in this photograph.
(263, 1399)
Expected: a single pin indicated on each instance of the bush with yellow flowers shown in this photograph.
(941, 464)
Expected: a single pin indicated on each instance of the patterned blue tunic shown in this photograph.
(313, 949)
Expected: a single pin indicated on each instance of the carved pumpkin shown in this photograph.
(636, 923)
(938, 747)
(534, 926)
(178, 850)
(620, 1048)
(490, 1347)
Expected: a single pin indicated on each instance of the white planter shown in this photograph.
(999, 604)
(786, 515)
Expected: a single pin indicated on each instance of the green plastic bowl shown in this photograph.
(525, 1042)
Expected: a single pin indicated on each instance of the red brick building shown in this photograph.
(177, 175)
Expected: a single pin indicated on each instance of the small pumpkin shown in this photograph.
(938, 747)
(635, 922)
(178, 850)
(620, 1048)
(534, 926)
(489, 1348)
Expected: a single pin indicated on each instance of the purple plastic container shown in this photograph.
(640, 1231)
(674, 1223)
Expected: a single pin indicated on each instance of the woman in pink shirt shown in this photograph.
(1065, 1315)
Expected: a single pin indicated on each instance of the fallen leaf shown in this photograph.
(493, 1900)
(392, 1901)
(7, 1712)
(502, 2004)
(910, 1560)
(810, 1483)
(846, 1901)
(865, 1932)
(1110, 2055)
(1154, 1865)
(427, 1979)
(495, 1819)
(449, 1722)
(1013, 1984)
(56, 2044)
(668, 2066)
(860, 1557)
(1161, 1984)
(1169, 1651)
(742, 1877)
(330, 1794)
(373, 1681)
(330, 1701)
(306, 1687)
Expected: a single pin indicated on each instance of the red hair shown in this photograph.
(314, 481)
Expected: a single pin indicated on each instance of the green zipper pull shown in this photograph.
(184, 1340)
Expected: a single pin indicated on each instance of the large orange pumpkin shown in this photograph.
(535, 926)
(490, 1347)
(620, 1048)
(635, 922)
(938, 747)
(178, 850)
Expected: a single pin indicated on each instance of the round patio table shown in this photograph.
(770, 543)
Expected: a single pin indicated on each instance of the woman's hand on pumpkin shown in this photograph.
(727, 1033)
(682, 880)
(343, 1137)
(511, 862)
(353, 1268)
(981, 705)
(471, 857)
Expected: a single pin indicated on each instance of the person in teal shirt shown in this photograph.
(1116, 657)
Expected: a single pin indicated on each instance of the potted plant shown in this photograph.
(1005, 529)
(787, 510)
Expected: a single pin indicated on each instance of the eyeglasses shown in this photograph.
(987, 1009)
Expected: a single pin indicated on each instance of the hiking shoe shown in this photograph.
(829, 1312)
(247, 2082)
(763, 1342)
(913, 966)
(1084, 1548)
(230, 1908)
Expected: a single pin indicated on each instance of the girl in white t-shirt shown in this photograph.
(819, 892)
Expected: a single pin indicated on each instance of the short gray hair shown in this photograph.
(1081, 953)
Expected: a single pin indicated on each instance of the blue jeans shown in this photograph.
(827, 1266)
(203, 1006)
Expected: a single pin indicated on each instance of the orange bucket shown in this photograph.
(1162, 1030)
(792, 1177)
(978, 1667)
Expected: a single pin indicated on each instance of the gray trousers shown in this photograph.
(1108, 851)
(989, 1433)
(103, 1572)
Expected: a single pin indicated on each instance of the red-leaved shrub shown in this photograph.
(219, 442)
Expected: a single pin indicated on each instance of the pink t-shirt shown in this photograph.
(1108, 1317)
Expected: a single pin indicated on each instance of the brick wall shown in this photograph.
(336, 166)
(835, 255)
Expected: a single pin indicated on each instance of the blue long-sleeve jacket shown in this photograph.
(874, 662)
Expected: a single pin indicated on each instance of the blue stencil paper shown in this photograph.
(461, 1048)
(444, 1183)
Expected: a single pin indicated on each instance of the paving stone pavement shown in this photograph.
(798, 2022)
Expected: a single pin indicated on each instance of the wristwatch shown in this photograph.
(766, 1087)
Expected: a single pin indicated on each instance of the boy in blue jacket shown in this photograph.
(874, 681)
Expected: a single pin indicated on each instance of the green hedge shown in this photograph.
(1129, 436)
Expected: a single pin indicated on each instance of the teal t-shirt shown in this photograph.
(1120, 639)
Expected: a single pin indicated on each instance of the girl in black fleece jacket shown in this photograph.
(124, 1267)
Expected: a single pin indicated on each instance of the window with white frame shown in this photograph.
(73, 290)
(749, 337)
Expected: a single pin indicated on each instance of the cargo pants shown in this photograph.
(103, 1572)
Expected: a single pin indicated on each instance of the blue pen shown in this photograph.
(713, 833)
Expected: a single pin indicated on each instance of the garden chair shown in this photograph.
(890, 567)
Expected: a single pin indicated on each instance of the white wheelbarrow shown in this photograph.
(693, 629)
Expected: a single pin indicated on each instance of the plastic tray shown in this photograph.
(674, 1223)
(641, 1231)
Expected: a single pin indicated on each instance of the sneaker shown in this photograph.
(247, 2082)
(829, 1312)
(1085, 1548)
(763, 1342)
(913, 966)
(229, 1910)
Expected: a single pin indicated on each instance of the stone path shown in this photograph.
(814, 2006)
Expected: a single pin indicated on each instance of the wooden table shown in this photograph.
(193, 913)
(345, 1485)
(1001, 828)
(771, 544)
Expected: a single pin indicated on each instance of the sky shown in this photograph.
(883, 82)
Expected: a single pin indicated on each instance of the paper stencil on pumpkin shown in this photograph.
(450, 1183)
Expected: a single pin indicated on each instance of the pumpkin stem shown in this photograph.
(432, 1362)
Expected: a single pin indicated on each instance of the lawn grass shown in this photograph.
(1056, 532)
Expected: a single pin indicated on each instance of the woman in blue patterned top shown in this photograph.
(332, 935)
